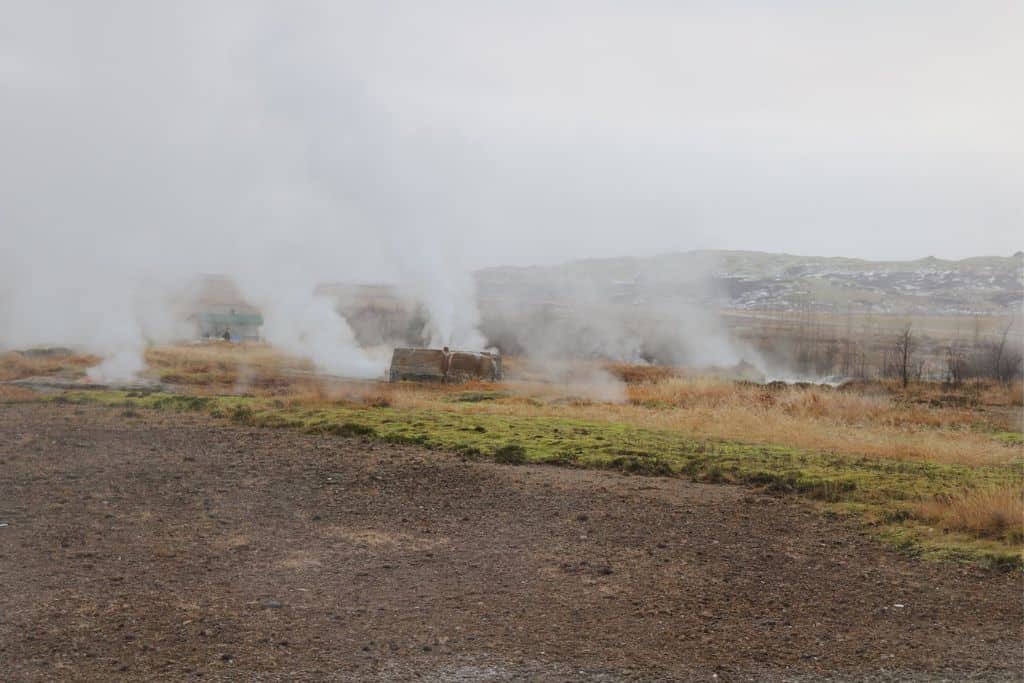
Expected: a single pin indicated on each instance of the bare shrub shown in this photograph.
(901, 359)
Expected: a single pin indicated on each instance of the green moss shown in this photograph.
(1010, 438)
(928, 543)
(476, 396)
(512, 454)
(351, 429)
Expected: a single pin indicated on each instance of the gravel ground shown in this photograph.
(180, 547)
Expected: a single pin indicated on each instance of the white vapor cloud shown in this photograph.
(284, 144)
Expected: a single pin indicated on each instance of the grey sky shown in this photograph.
(514, 132)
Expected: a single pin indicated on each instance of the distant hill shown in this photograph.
(747, 280)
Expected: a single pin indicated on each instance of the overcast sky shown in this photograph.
(513, 132)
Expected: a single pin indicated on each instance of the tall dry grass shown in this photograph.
(996, 513)
(9, 392)
(984, 392)
(863, 407)
(928, 422)
(867, 420)
(642, 374)
(872, 424)
(15, 365)
(223, 366)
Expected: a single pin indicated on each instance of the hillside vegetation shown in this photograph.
(745, 280)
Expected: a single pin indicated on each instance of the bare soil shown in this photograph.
(180, 547)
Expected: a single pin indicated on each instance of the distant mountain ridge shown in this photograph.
(750, 280)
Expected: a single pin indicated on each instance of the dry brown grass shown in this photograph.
(821, 403)
(225, 367)
(996, 513)
(15, 365)
(641, 374)
(868, 420)
(984, 392)
(356, 394)
(13, 393)
(927, 422)
(874, 424)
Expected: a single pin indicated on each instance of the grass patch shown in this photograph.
(351, 429)
(512, 454)
(928, 543)
(1010, 438)
(476, 396)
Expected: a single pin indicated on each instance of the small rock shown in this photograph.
(271, 604)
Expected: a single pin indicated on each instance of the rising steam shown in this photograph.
(253, 141)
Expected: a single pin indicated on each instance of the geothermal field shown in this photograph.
(230, 512)
(511, 342)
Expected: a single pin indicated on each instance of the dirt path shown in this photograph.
(182, 547)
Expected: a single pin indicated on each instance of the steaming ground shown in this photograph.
(177, 547)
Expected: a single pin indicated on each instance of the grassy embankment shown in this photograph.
(934, 509)
(937, 471)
